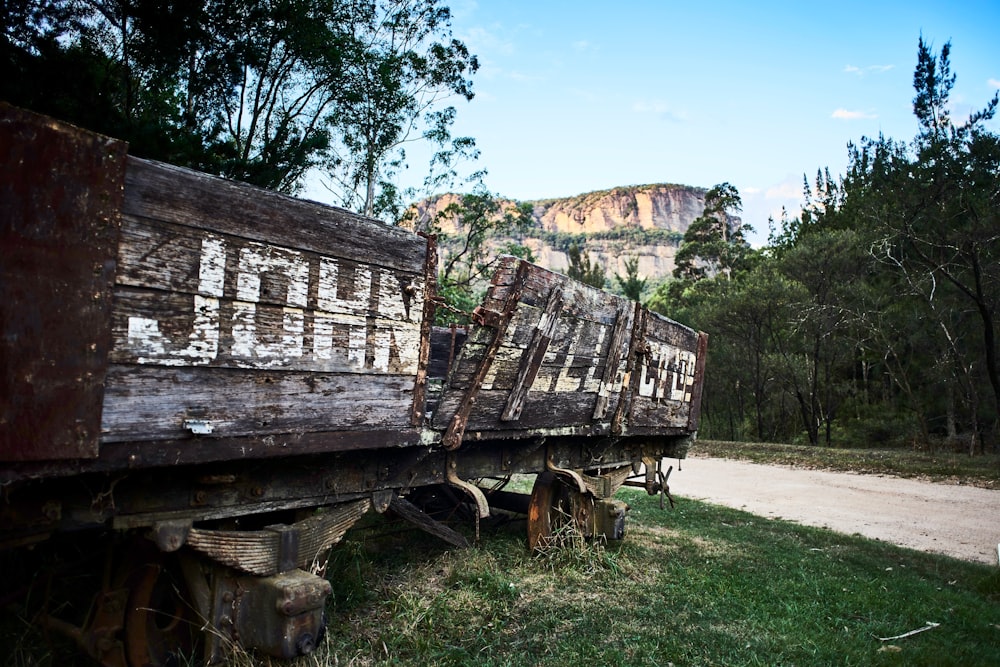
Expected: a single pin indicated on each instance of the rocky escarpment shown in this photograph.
(644, 221)
(661, 206)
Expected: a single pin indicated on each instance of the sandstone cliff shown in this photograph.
(660, 206)
(643, 221)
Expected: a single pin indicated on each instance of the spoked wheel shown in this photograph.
(557, 511)
(161, 628)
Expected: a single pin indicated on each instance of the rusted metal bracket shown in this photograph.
(498, 321)
(99, 637)
(571, 475)
(533, 355)
(655, 480)
(451, 476)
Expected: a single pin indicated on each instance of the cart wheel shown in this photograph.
(161, 629)
(557, 510)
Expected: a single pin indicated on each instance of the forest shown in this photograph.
(868, 319)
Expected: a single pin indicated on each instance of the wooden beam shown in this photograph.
(533, 355)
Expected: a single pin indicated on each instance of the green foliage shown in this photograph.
(631, 285)
(582, 269)
(468, 260)
(873, 314)
(262, 92)
(714, 242)
(404, 65)
(633, 236)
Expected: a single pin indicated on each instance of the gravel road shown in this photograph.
(958, 521)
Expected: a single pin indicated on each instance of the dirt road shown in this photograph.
(958, 521)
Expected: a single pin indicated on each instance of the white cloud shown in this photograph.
(786, 190)
(583, 46)
(480, 40)
(659, 108)
(844, 114)
(861, 71)
(993, 83)
(515, 75)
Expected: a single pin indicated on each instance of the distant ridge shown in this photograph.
(642, 221)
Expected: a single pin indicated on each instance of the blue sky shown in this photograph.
(579, 96)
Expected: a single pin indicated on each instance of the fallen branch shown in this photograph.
(930, 626)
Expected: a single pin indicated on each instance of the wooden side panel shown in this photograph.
(60, 199)
(257, 314)
(664, 395)
(566, 374)
(564, 360)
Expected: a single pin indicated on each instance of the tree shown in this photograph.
(582, 269)
(631, 285)
(714, 242)
(463, 228)
(404, 64)
(941, 233)
(263, 91)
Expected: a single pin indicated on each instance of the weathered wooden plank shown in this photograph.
(617, 356)
(534, 355)
(554, 412)
(628, 386)
(152, 402)
(173, 194)
(446, 344)
(654, 414)
(151, 327)
(180, 259)
(557, 372)
(60, 199)
(581, 301)
(452, 437)
(420, 388)
(699, 383)
(579, 334)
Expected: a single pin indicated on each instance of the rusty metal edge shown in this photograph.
(630, 385)
(694, 416)
(430, 308)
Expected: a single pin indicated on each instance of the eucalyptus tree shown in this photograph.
(580, 267)
(264, 91)
(714, 241)
(405, 66)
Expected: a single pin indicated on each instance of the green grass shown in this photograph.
(940, 466)
(698, 585)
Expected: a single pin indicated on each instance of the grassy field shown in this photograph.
(697, 585)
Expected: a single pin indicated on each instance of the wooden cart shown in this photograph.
(229, 378)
